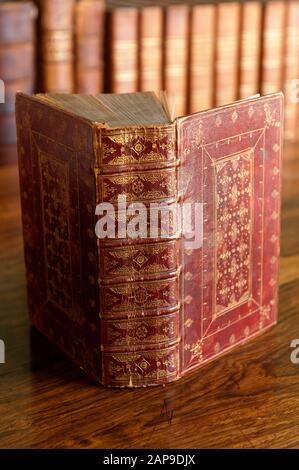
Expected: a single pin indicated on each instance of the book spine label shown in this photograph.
(89, 40)
(123, 50)
(227, 52)
(57, 30)
(151, 29)
(202, 57)
(139, 276)
(273, 46)
(176, 56)
(250, 49)
(291, 78)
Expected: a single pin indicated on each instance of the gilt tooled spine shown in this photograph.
(139, 279)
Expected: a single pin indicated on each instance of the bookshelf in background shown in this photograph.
(204, 54)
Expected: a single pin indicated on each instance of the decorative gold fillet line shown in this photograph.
(149, 350)
(162, 275)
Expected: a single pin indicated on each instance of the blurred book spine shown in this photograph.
(122, 47)
(151, 31)
(176, 56)
(57, 45)
(202, 57)
(89, 46)
(227, 52)
(251, 22)
(17, 68)
(273, 46)
(291, 75)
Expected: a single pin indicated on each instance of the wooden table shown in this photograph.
(248, 398)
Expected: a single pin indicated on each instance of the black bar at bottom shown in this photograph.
(104, 458)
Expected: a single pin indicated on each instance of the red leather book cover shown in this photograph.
(176, 56)
(89, 25)
(274, 29)
(231, 162)
(291, 71)
(122, 43)
(250, 53)
(146, 311)
(227, 52)
(58, 197)
(202, 57)
(151, 36)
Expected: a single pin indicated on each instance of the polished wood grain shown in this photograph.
(248, 398)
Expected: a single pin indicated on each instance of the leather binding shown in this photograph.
(148, 311)
(227, 52)
(202, 57)
(291, 71)
(273, 46)
(17, 45)
(151, 35)
(123, 49)
(250, 49)
(57, 45)
(176, 56)
(89, 42)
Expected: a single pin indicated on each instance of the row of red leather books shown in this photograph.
(208, 55)
(204, 55)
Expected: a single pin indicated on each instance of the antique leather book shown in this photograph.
(151, 36)
(227, 52)
(250, 53)
(122, 49)
(175, 66)
(89, 25)
(17, 44)
(274, 29)
(202, 57)
(147, 309)
(56, 53)
(291, 71)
